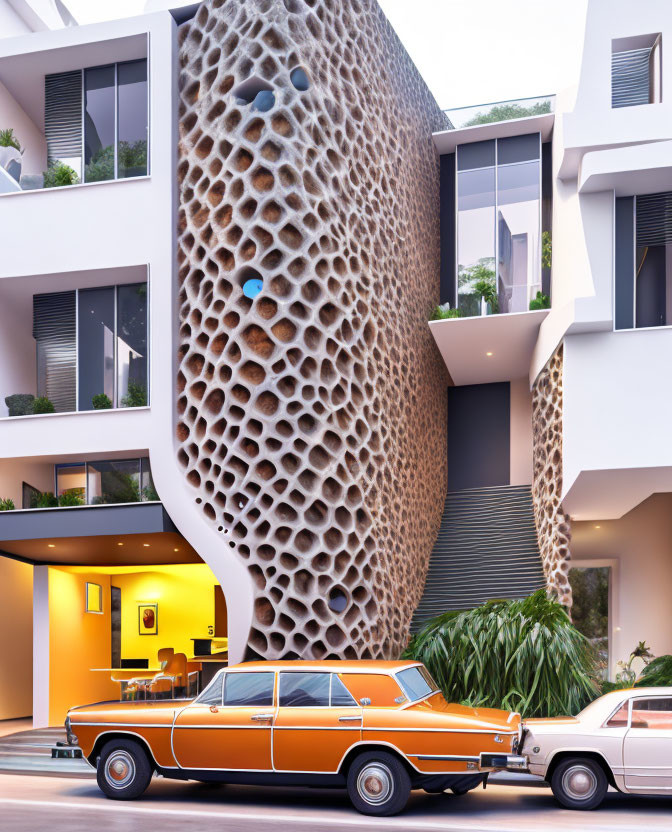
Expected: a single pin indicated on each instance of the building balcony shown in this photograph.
(499, 111)
(488, 348)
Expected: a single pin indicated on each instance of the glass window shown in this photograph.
(620, 718)
(132, 345)
(340, 697)
(514, 149)
(416, 682)
(147, 483)
(476, 155)
(475, 239)
(99, 126)
(249, 689)
(94, 597)
(116, 481)
(304, 690)
(590, 609)
(212, 695)
(654, 713)
(132, 133)
(95, 345)
(71, 483)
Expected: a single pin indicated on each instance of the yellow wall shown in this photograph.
(78, 641)
(16, 632)
(186, 608)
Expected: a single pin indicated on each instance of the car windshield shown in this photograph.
(416, 683)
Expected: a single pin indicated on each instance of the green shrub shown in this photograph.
(45, 499)
(505, 112)
(440, 313)
(20, 404)
(8, 139)
(520, 655)
(7, 504)
(101, 401)
(546, 250)
(70, 498)
(43, 405)
(540, 302)
(58, 174)
(658, 673)
(136, 395)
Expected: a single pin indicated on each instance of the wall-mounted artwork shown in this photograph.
(148, 619)
(94, 597)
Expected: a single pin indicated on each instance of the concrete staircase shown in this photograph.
(29, 752)
(486, 548)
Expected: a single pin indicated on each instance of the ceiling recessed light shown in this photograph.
(598, 527)
(120, 544)
(146, 545)
(176, 550)
(488, 354)
(51, 545)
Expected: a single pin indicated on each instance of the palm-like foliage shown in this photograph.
(657, 673)
(520, 655)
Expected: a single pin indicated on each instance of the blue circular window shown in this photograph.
(252, 287)
(337, 600)
(299, 78)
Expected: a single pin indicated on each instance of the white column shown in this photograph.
(41, 647)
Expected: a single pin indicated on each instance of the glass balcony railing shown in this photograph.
(497, 111)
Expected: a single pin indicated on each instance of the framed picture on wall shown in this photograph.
(148, 619)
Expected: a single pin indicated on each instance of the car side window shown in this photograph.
(654, 713)
(340, 697)
(304, 690)
(249, 689)
(620, 718)
(212, 695)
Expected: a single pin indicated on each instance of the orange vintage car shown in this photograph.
(377, 728)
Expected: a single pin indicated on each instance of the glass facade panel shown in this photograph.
(518, 220)
(71, 483)
(95, 345)
(148, 490)
(132, 109)
(116, 481)
(132, 345)
(99, 123)
(498, 225)
(475, 237)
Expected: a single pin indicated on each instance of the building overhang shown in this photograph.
(490, 348)
(611, 493)
(638, 169)
(445, 141)
(135, 533)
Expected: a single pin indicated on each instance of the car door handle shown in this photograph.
(261, 717)
(349, 718)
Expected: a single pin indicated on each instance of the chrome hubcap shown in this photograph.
(579, 782)
(119, 769)
(374, 783)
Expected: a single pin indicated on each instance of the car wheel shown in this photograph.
(579, 783)
(378, 784)
(123, 770)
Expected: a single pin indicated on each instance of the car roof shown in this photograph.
(337, 666)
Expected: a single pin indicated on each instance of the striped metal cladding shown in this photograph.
(486, 548)
(654, 219)
(55, 331)
(631, 77)
(63, 115)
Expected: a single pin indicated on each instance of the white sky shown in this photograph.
(468, 51)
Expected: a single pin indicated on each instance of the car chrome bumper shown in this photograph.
(66, 752)
(491, 760)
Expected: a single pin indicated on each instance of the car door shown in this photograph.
(317, 722)
(647, 749)
(229, 726)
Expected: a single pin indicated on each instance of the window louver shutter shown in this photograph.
(55, 331)
(630, 77)
(63, 115)
(654, 219)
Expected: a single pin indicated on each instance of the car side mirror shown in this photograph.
(365, 701)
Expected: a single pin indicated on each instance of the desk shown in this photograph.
(123, 675)
(203, 644)
(210, 664)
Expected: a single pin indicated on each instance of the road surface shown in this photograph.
(28, 803)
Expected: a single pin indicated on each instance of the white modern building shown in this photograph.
(136, 520)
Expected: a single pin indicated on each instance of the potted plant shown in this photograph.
(42, 404)
(101, 402)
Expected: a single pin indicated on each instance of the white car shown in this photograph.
(622, 739)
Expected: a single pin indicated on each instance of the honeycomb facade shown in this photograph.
(311, 399)
(553, 526)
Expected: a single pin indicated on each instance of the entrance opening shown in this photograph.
(590, 609)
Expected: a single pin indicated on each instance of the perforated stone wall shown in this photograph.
(311, 398)
(553, 525)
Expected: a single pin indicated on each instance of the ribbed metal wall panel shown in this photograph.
(63, 114)
(486, 548)
(55, 330)
(630, 77)
(654, 219)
